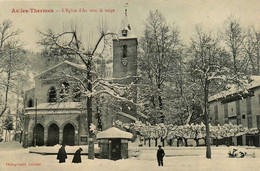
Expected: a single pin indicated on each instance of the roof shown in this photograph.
(114, 132)
(56, 105)
(125, 25)
(82, 67)
(254, 84)
(30, 89)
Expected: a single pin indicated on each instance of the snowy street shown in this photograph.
(14, 157)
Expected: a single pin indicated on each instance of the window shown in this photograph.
(124, 33)
(258, 122)
(76, 94)
(249, 121)
(238, 112)
(124, 55)
(52, 95)
(216, 114)
(30, 103)
(64, 90)
(238, 108)
(124, 51)
(226, 110)
(248, 106)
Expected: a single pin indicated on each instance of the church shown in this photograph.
(56, 114)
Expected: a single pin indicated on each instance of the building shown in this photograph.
(55, 114)
(237, 107)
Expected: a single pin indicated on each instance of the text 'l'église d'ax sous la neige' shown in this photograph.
(63, 10)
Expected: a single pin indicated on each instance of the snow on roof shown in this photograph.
(82, 67)
(255, 83)
(30, 89)
(114, 132)
(125, 25)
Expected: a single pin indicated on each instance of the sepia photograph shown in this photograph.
(125, 85)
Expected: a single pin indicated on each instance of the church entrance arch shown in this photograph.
(39, 135)
(53, 135)
(68, 134)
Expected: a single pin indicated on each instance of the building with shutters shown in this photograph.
(235, 107)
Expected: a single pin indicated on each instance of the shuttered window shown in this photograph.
(248, 106)
(216, 114)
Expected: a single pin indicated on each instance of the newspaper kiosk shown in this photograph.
(114, 143)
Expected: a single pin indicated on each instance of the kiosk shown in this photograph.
(114, 143)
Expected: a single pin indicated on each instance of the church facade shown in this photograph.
(55, 110)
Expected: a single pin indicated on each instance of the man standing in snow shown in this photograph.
(160, 155)
(77, 157)
(62, 155)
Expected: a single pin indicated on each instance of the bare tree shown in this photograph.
(9, 48)
(251, 46)
(233, 35)
(12, 63)
(7, 32)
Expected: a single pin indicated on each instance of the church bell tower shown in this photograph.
(125, 61)
(125, 52)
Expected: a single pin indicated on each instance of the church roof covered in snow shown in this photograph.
(81, 67)
(234, 90)
(113, 132)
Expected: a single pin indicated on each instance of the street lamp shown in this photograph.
(35, 122)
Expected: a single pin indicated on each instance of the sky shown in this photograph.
(211, 14)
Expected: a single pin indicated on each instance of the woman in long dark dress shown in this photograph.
(62, 155)
(77, 156)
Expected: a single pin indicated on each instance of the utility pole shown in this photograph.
(35, 122)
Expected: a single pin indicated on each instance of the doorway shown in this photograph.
(68, 134)
(39, 135)
(53, 135)
(115, 149)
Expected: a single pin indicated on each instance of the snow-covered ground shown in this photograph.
(14, 157)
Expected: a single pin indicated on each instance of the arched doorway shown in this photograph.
(68, 134)
(53, 135)
(39, 135)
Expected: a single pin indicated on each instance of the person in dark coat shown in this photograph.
(77, 157)
(62, 155)
(160, 155)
